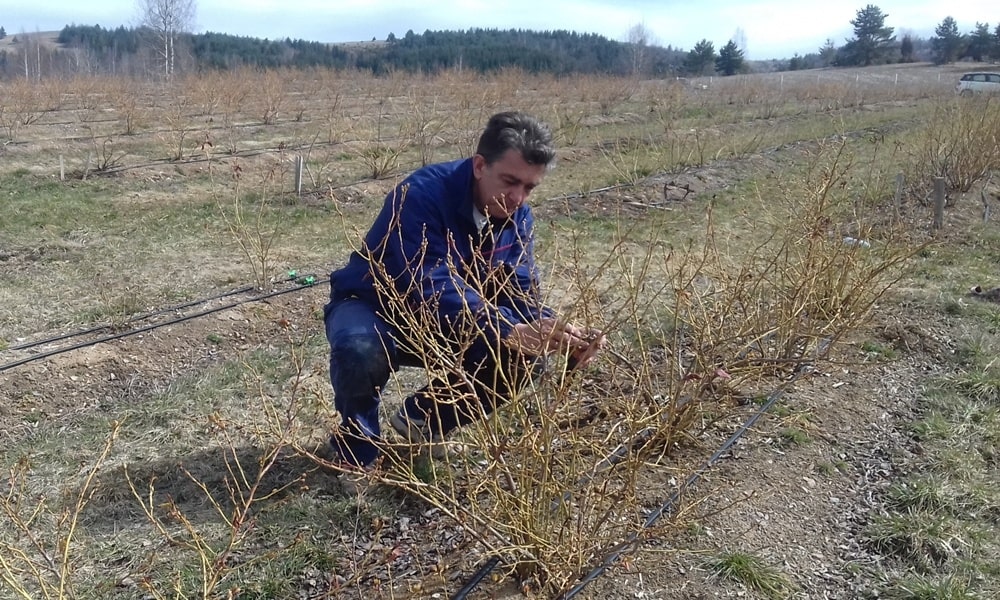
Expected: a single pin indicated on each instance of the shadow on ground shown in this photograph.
(200, 484)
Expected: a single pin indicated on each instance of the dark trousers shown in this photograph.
(365, 349)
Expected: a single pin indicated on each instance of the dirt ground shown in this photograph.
(799, 506)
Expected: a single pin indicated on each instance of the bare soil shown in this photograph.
(799, 505)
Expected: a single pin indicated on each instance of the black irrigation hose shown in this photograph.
(478, 576)
(491, 564)
(132, 332)
(140, 317)
(633, 538)
(608, 462)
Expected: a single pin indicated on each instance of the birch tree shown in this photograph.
(166, 19)
(639, 38)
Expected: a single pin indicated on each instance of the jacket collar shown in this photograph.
(469, 204)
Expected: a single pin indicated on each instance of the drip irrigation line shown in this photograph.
(655, 516)
(190, 160)
(134, 319)
(478, 576)
(152, 326)
(609, 461)
(668, 506)
(576, 195)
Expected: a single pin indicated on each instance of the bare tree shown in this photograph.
(740, 39)
(166, 19)
(639, 38)
(31, 53)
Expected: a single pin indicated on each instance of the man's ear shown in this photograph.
(478, 165)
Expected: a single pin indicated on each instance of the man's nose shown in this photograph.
(517, 196)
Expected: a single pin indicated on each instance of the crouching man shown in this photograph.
(445, 279)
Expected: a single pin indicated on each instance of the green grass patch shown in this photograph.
(124, 249)
(981, 384)
(917, 494)
(751, 571)
(923, 537)
(778, 409)
(793, 436)
(830, 468)
(941, 525)
(923, 587)
(934, 426)
(32, 204)
(879, 351)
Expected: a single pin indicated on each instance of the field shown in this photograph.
(164, 401)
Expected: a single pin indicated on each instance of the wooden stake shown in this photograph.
(898, 198)
(939, 198)
(86, 169)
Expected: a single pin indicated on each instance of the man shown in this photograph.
(445, 279)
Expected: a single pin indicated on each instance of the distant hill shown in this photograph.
(48, 39)
(122, 50)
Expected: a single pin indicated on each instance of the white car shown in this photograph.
(978, 83)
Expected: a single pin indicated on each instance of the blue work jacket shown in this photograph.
(425, 247)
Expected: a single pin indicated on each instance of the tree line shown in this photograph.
(160, 46)
(874, 44)
(137, 51)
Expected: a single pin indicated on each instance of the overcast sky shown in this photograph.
(763, 28)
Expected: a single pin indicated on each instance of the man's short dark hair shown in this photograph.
(517, 131)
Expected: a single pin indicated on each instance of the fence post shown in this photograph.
(298, 175)
(898, 198)
(86, 169)
(939, 198)
(62, 168)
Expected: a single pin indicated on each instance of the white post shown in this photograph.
(298, 175)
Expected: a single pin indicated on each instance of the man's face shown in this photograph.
(506, 184)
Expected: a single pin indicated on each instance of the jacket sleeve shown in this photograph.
(421, 254)
(524, 292)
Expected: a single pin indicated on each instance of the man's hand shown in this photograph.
(545, 336)
(582, 357)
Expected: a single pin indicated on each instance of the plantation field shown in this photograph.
(164, 401)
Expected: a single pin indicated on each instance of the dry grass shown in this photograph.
(758, 281)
